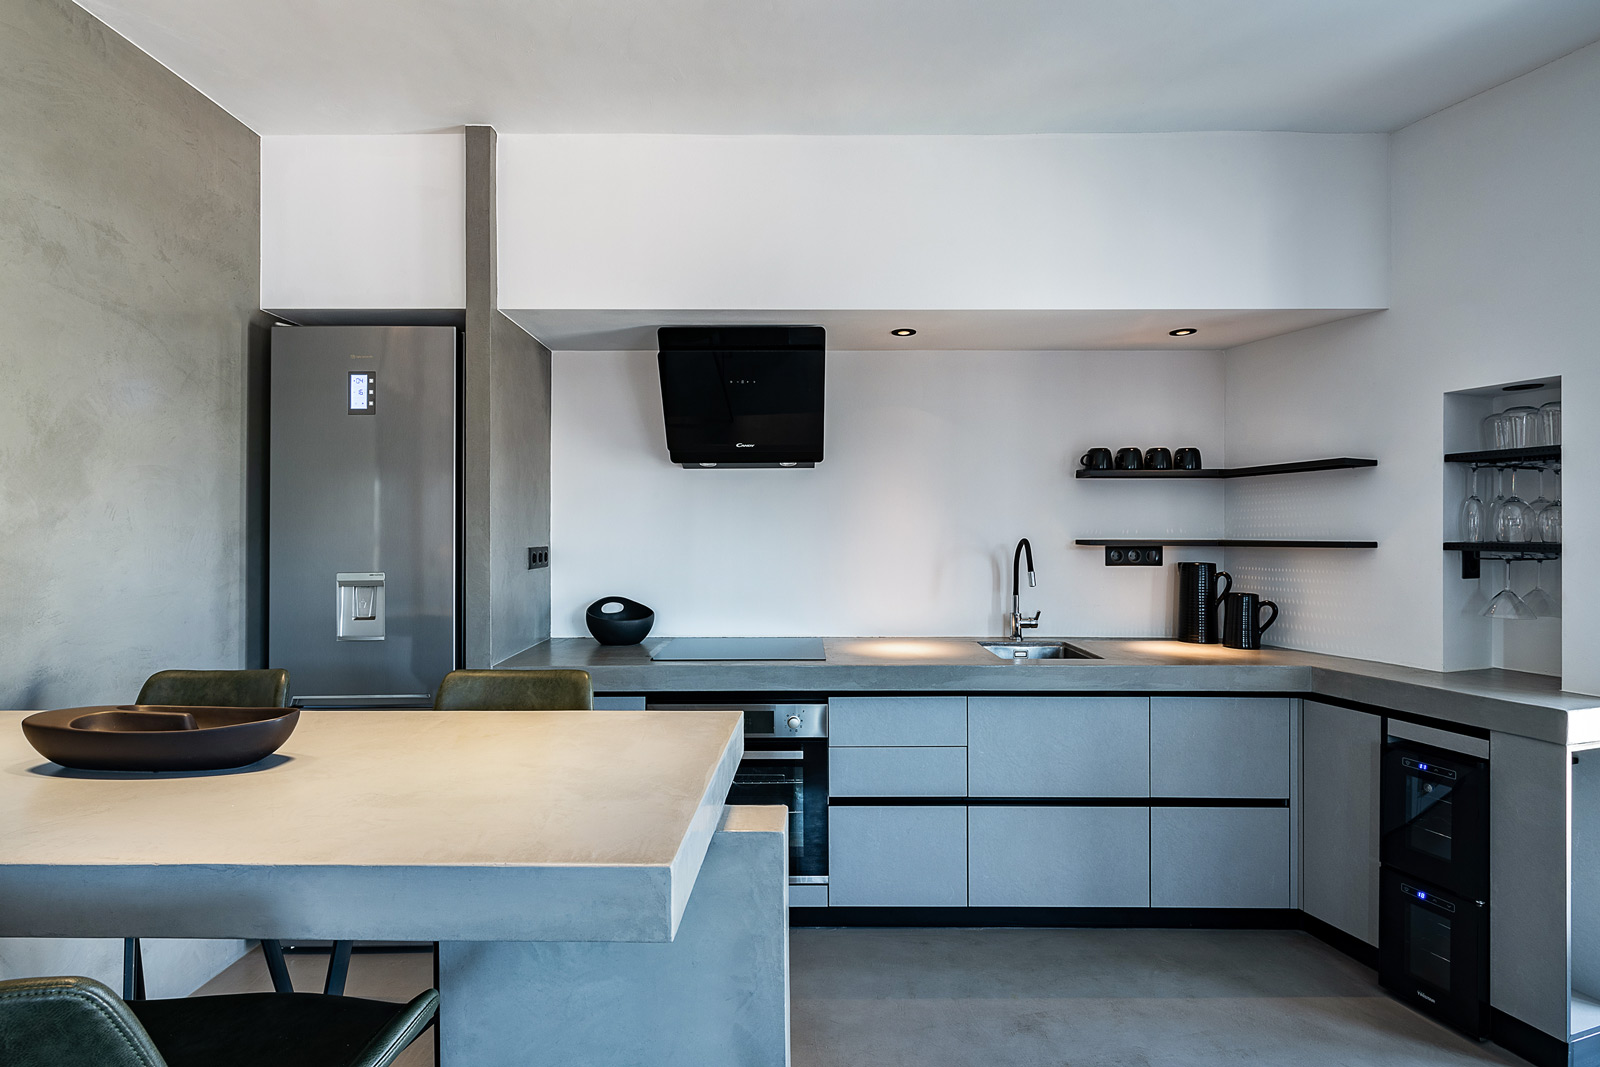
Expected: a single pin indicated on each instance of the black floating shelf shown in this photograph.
(1492, 456)
(1473, 552)
(1218, 542)
(1303, 467)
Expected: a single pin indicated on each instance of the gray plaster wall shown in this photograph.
(505, 492)
(129, 282)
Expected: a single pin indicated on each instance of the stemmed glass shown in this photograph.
(1472, 510)
(1511, 520)
(1540, 602)
(1535, 507)
(1508, 605)
(1496, 503)
(1550, 518)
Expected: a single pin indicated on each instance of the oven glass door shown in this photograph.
(1434, 949)
(1436, 817)
(792, 773)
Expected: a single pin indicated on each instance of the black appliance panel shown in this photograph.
(1435, 949)
(742, 395)
(1435, 816)
(792, 772)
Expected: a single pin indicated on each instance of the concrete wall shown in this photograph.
(1494, 226)
(128, 284)
(937, 462)
(1182, 221)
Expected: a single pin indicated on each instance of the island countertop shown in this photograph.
(378, 825)
(1509, 701)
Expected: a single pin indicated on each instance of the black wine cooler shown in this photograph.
(1433, 907)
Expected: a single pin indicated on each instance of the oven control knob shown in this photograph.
(794, 722)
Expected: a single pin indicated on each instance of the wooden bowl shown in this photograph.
(152, 737)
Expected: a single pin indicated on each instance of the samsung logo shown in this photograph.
(741, 444)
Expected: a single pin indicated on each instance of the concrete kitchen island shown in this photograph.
(579, 870)
(1165, 783)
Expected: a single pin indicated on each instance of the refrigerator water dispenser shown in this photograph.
(361, 616)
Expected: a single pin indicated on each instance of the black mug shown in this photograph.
(1199, 600)
(1240, 615)
(1096, 459)
(1129, 459)
(1187, 459)
(1158, 459)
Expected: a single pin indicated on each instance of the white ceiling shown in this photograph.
(979, 331)
(846, 66)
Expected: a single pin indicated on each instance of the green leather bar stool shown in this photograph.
(217, 689)
(77, 1022)
(212, 689)
(552, 690)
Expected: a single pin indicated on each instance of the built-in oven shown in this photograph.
(1435, 816)
(1435, 949)
(785, 762)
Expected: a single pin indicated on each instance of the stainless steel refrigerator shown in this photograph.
(362, 575)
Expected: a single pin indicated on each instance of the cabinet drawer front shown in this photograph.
(897, 722)
(1058, 747)
(1219, 747)
(897, 772)
(1058, 857)
(897, 856)
(1219, 858)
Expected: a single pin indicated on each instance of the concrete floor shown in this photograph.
(1046, 998)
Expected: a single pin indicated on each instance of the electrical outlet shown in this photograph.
(1135, 556)
(538, 557)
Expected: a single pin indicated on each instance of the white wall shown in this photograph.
(1494, 279)
(369, 222)
(1165, 221)
(937, 462)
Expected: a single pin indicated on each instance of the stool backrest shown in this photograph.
(217, 689)
(552, 690)
(70, 1022)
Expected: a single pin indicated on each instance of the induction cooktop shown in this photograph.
(708, 648)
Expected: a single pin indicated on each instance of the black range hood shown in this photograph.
(742, 396)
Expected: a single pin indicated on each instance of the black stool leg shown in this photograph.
(279, 970)
(132, 969)
(338, 969)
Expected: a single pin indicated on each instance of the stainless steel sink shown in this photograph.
(1035, 650)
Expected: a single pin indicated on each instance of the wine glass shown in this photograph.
(1496, 503)
(1472, 510)
(1550, 522)
(1535, 507)
(1508, 605)
(1511, 521)
(1540, 602)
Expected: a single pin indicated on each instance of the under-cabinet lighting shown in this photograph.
(903, 331)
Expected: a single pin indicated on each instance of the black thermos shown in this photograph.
(1198, 599)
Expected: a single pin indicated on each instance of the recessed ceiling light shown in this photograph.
(1184, 332)
(1523, 387)
(903, 332)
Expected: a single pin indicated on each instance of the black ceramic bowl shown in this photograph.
(627, 625)
(150, 737)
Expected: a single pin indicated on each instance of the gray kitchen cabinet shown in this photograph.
(900, 856)
(897, 772)
(1058, 746)
(1341, 750)
(1058, 856)
(897, 722)
(1214, 747)
(1219, 857)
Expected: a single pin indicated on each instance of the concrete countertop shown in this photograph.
(379, 825)
(1527, 704)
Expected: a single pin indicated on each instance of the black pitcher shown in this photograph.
(1241, 627)
(1198, 602)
